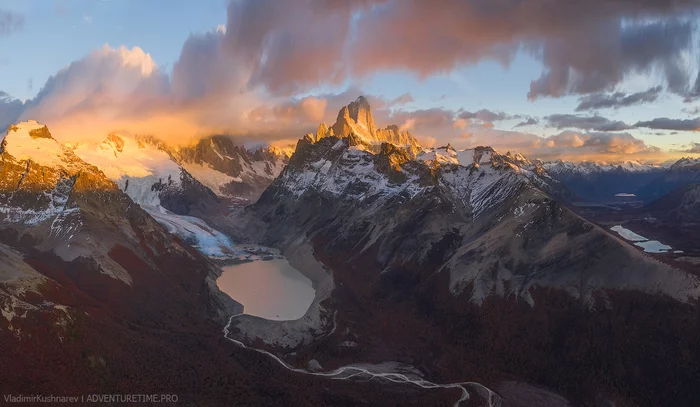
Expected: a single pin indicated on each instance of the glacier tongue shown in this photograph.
(194, 231)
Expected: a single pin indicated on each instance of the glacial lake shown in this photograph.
(649, 246)
(270, 289)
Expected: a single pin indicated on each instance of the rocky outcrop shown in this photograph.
(186, 197)
(356, 119)
(322, 131)
(231, 170)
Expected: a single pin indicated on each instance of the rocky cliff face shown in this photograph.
(231, 170)
(356, 118)
(683, 205)
(39, 176)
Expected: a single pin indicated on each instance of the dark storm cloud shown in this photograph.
(530, 121)
(596, 123)
(486, 115)
(599, 56)
(617, 99)
(664, 123)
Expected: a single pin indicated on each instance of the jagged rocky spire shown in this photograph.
(356, 118)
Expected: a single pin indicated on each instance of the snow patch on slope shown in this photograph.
(209, 177)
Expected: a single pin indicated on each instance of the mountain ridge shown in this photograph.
(470, 248)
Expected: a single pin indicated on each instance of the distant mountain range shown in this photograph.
(598, 182)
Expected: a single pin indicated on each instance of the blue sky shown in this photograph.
(56, 33)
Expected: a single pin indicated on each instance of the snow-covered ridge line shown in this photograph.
(589, 167)
(686, 162)
(31, 141)
(348, 171)
(349, 372)
(344, 167)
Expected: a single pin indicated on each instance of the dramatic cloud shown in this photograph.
(585, 47)
(124, 90)
(694, 148)
(10, 23)
(596, 123)
(438, 126)
(259, 75)
(423, 119)
(105, 78)
(664, 123)
(617, 99)
(204, 70)
(597, 56)
(291, 46)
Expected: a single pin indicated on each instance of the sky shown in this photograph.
(552, 79)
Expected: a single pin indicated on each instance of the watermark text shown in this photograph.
(91, 398)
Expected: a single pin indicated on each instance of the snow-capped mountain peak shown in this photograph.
(686, 162)
(31, 141)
